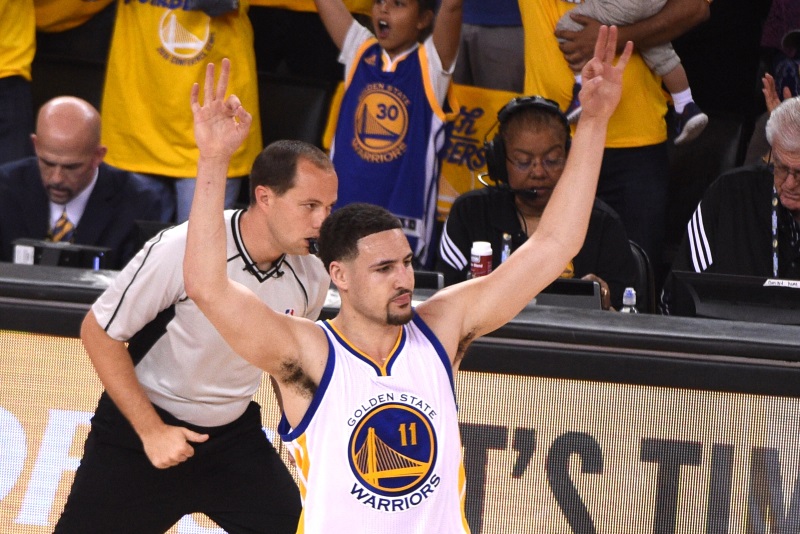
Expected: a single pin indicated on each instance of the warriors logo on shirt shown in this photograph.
(185, 36)
(393, 452)
(381, 123)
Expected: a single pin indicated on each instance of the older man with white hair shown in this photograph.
(748, 222)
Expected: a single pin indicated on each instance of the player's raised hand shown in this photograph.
(220, 124)
(602, 79)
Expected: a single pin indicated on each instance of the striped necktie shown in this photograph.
(62, 230)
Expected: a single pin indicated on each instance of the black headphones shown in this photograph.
(495, 149)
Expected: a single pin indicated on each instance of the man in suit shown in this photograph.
(67, 193)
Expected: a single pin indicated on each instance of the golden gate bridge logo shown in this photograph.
(381, 122)
(184, 38)
(393, 449)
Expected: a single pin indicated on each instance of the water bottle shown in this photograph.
(629, 301)
(480, 259)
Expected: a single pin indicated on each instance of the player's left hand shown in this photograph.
(220, 124)
(602, 79)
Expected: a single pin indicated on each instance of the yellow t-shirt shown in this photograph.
(363, 7)
(61, 15)
(156, 55)
(464, 160)
(639, 118)
(17, 38)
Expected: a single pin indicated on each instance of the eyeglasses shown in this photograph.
(781, 171)
(550, 165)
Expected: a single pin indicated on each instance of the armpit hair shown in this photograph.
(293, 376)
(462, 347)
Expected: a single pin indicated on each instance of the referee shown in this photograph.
(176, 430)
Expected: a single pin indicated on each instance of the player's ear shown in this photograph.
(338, 274)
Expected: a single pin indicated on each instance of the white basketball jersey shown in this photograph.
(379, 448)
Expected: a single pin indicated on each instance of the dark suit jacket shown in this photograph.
(117, 201)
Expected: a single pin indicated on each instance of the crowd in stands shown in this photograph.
(400, 102)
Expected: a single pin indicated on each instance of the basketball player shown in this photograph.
(368, 398)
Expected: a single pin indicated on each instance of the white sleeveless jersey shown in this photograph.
(379, 449)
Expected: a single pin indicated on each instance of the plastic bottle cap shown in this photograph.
(481, 248)
(629, 297)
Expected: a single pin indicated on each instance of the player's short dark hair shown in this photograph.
(275, 167)
(339, 235)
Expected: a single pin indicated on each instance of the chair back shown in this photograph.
(644, 283)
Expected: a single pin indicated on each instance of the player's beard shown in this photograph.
(399, 318)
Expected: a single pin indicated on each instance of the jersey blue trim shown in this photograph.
(437, 345)
(380, 370)
(393, 357)
(285, 430)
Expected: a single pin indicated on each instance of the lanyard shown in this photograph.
(774, 220)
(774, 232)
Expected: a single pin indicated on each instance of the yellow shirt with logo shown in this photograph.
(17, 38)
(363, 7)
(61, 15)
(639, 118)
(156, 54)
(464, 160)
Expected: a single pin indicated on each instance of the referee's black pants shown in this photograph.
(236, 478)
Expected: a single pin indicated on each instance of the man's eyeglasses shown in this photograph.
(550, 165)
(781, 171)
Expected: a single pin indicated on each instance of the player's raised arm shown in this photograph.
(478, 306)
(221, 125)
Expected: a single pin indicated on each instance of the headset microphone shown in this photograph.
(529, 193)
